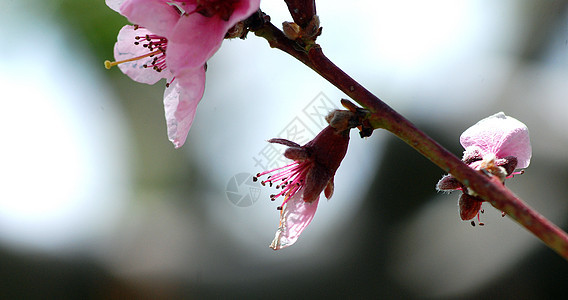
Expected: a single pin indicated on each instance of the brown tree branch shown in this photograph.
(383, 116)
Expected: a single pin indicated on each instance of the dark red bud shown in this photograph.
(448, 182)
(469, 206)
(316, 181)
(284, 142)
(296, 153)
(471, 156)
(509, 163)
(328, 148)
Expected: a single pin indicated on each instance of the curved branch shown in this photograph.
(383, 116)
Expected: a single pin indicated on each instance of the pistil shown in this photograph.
(109, 64)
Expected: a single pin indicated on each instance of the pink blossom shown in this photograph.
(174, 40)
(143, 55)
(301, 182)
(499, 135)
(496, 145)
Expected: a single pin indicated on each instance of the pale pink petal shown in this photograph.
(126, 49)
(194, 40)
(180, 104)
(156, 15)
(296, 216)
(114, 4)
(501, 135)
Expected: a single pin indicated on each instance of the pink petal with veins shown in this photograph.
(502, 136)
(156, 15)
(180, 104)
(196, 38)
(296, 216)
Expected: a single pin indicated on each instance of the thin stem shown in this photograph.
(383, 116)
(302, 11)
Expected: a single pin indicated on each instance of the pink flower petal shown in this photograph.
(196, 38)
(180, 104)
(296, 216)
(156, 15)
(500, 135)
(126, 49)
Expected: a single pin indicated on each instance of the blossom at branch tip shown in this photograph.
(500, 135)
(311, 173)
(496, 146)
(174, 40)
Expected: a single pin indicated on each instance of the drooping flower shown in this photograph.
(311, 173)
(174, 40)
(496, 145)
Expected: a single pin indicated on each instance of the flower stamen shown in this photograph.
(289, 179)
(155, 44)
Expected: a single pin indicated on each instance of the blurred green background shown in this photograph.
(97, 204)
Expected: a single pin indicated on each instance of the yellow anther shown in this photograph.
(108, 64)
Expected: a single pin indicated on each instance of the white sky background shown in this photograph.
(67, 156)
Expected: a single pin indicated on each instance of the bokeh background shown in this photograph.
(95, 202)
